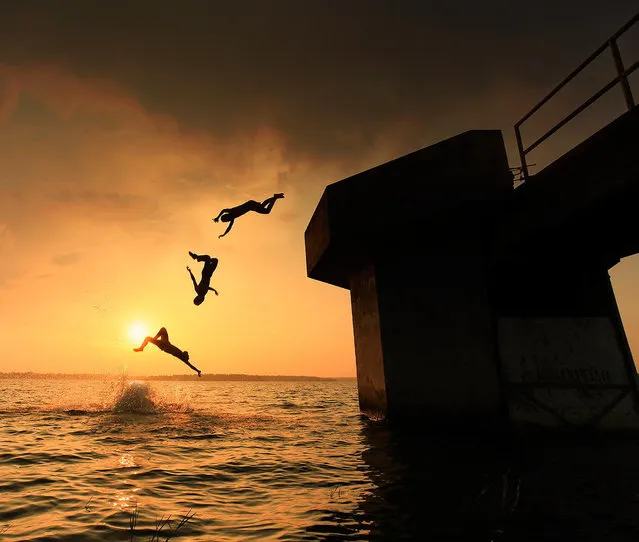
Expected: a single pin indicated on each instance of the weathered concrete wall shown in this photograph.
(562, 347)
(437, 333)
(371, 377)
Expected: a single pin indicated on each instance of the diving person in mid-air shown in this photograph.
(201, 289)
(229, 215)
(161, 340)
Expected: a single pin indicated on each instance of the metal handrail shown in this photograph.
(622, 79)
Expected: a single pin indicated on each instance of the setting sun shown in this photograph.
(138, 331)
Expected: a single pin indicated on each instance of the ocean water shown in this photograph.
(127, 460)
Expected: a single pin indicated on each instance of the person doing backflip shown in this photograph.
(201, 289)
(161, 340)
(229, 215)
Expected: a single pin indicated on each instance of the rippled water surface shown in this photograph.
(121, 460)
(250, 460)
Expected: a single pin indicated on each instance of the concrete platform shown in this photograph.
(480, 305)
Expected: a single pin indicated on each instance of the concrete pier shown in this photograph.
(458, 318)
(562, 344)
(408, 239)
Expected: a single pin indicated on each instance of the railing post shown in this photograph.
(623, 80)
(522, 154)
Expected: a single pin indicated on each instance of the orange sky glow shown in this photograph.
(101, 199)
(91, 262)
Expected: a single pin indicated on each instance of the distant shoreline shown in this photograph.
(204, 377)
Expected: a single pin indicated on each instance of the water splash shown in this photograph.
(135, 397)
(117, 395)
(139, 397)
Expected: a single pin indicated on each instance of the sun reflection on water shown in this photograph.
(125, 502)
(127, 461)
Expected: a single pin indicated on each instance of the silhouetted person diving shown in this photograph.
(161, 340)
(201, 289)
(229, 215)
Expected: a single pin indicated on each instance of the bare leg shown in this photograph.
(162, 335)
(199, 258)
(143, 345)
(265, 207)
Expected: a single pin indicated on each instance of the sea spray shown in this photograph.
(135, 397)
(140, 397)
(109, 394)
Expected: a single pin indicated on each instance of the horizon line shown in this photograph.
(173, 376)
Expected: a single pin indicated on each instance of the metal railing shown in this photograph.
(622, 79)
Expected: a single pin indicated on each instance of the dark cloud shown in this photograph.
(330, 75)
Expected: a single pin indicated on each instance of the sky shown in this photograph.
(126, 126)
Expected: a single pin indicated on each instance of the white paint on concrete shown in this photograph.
(564, 371)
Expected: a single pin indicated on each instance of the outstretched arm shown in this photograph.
(192, 367)
(213, 290)
(192, 278)
(227, 229)
(221, 213)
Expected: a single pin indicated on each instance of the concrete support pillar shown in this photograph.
(369, 353)
(408, 239)
(424, 336)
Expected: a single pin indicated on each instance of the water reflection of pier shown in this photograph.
(429, 487)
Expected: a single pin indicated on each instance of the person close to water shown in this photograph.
(229, 215)
(161, 340)
(204, 286)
